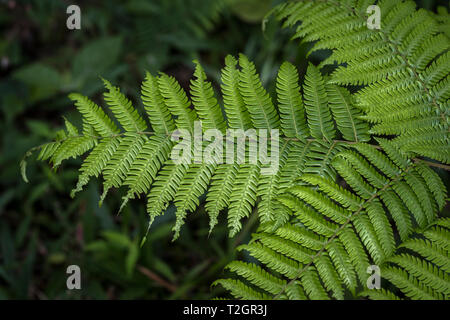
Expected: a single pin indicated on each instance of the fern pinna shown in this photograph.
(421, 267)
(352, 188)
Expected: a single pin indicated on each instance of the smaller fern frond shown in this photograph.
(164, 188)
(143, 170)
(194, 184)
(118, 166)
(346, 114)
(96, 161)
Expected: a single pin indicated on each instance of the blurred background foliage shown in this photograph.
(43, 230)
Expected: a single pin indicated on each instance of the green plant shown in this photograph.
(316, 237)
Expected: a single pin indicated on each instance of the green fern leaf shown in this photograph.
(316, 104)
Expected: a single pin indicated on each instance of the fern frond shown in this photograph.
(342, 262)
(240, 290)
(380, 294)
(133, 159)
(422, 272)
(429, 251)
(269, 188)
(164, 188)
(218, 197)
(409, 285)
(346, 114)
(330, 277)
(272, 259)
(336, 227)
(319, 157)
(204, 101)
(145, 167)
(117, 167)
(96, 161)
(256, 276)
(72, 146)
(403, 67)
